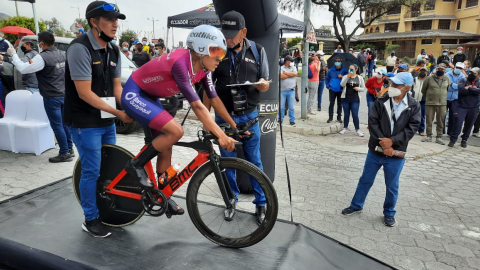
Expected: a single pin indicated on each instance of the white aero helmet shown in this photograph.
(207, 40)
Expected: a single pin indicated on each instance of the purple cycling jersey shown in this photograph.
(171, 74)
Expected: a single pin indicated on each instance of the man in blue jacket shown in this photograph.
(468, 103)
(334, 77)
(455, 76)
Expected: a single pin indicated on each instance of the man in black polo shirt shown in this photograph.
(92, 84)
(245, 61)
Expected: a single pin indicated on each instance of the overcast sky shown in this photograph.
(137, 12)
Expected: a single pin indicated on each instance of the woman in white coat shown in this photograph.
(352, 84)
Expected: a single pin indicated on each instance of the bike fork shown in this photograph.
(222, 181)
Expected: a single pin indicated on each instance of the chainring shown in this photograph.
(151, 203)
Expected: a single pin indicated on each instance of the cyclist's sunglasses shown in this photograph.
(107, 7)
(216, 52)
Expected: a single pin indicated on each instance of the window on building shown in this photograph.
(462, 41)
(471, 3)
(427, 41)
(395, 10)
(391, 27)
(459, 4)
(371, 30)
(458, 25)
(421, 25)
(449, 41)
(448, 0)
(329, 47)
(377, 30)
(429, 5)
(444, 24)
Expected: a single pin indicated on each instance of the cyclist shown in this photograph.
(167, 75)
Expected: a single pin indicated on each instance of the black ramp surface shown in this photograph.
(50, 219)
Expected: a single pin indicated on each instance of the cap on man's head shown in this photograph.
(232, 22)
(404, 78)
(445, 50)
(289, 58)
(311, 53)
(460, 48)
(475, 70)
(460, 65)
(403, 66)
(94, 9)
(320, 52)
(423, 68)
(392, 52)
(442, 66)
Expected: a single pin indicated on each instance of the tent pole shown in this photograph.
(166, 39)
(35, 18)
(173, 40)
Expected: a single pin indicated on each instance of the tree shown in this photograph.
(23, 22)
(84, 24)
(126, 35)
(293, 42)
(343, 10)
(53, 24)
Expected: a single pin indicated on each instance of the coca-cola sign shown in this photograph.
(269, 121)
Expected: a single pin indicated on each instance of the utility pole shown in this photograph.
(153, 22)
(16, 7)
(305, 48)
(78, 8)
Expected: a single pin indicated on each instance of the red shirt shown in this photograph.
(373, 86)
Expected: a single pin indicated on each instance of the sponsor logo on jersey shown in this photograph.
(203, 35)
(153, 79)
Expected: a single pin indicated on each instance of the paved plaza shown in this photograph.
(438, 210)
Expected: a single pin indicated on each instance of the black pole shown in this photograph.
(261, 19)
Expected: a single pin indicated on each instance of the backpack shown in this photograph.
(256, 54)
(310, 73)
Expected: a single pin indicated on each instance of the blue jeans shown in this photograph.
(33, 90)
(370, 101)
(321, 86)
(251, 150)
(54, 110)
(288, 96)
(370, 68)
(421, 129)
(351, 105)
(392, 167)
(89, 145)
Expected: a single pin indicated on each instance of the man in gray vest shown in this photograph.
(29, 81)
(49, 66)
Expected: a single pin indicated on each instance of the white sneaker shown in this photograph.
(476, 134)
(343, 131)
(359, 133)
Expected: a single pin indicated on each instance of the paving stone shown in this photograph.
(459, 250)
(363, 243)
(375, 235)
(438, 266)
(429, 245)
(474, 262)
(409, 263)
(450, 259)
(391, 248)
(420, 253)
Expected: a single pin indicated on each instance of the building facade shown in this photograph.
(433, 26)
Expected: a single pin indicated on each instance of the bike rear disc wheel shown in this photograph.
(206, 206)
(114, 210)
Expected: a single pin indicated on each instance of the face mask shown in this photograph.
(448, 70)
(440, 73)
(379, 76)
(350, 51)
(337, 64)
(164, 51)
(157, 51)
(457, 71)
(24, 50)
(40, 48)
(321, 57)
(1, 38)
(445, 53)
(139, 49)
(394, 92)
(351, 70)
(114, 41)
(471, 77)
(125, 48)
(144, 42)
(459, 52)
(103, 36)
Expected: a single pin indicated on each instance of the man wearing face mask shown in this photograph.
(159, 47)
(443, 57)
(125, 50)
(4, 44)
(417, 87)
(402, 68)
(140, 57)
(245, 61)
(435, 89)
(49, 68)
(146, 48)
(459, 57)
(455, 76)
(92, 85)
(393, 122)
(29, 80)
(468, 103)
(333, 80)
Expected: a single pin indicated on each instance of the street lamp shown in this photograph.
(78, 8)
(153, 21)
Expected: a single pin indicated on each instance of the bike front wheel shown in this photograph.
(206, 205)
